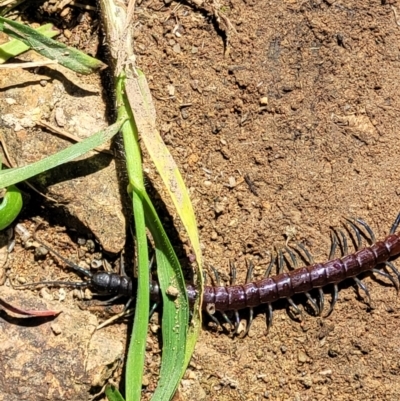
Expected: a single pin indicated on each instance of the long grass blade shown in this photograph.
(18, 174)
(69, 57)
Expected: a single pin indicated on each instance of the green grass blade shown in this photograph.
(15, 47)
(175, 319)
(113, 394)
(137, 346)
(18, 174)
(140, 100)
(67, 56)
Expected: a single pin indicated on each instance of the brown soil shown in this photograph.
(280, 132)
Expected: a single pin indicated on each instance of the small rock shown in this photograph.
(264, 101)
(56, 328)
(45, 294)
(145, 381)
(302, 357)
(177, 48)
(41, 252)
(172, 291)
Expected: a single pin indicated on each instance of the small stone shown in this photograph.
(10, 100)
(264, 101)
(67, 33)
(214, 236)
(145, 381)
(172, 291)
(171, 90)
(177, 48)
(56, 328)
(232, 182)
(41, 252)
(60, 117)
(45, 294)
(302, 357)
(207, 183)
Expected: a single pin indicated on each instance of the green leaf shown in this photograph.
(18, 174)
(10, 206)
(113, 394)
(67, 56)
(137, 346)
(140, 100)
(15, 47)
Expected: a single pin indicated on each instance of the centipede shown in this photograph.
(376, 258)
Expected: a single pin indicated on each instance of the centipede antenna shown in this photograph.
(321, 301)
(292, 257)
(269, 316)
(280, 262)
(70, 284)
(369, 230)
(250, 269)
(271, 264)
(335, 297)
(391, 266)
(395, 225)
(363, 287)
(81, 270)
(388, 276)
(313, 303)
(334, 244)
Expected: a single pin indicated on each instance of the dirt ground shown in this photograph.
(281, 128)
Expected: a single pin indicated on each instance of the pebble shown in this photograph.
(264, 101)
(302, 357)
(45, 294)
(56, 328)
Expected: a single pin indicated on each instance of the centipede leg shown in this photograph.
(363, 287)
(334, 244)
(269, 316)
(296, 309)
(395, 225)
(271, 264)
(388, 276)
(354, 228)
(280, 262)
(335, 297)
(313, 303)
(391, 266)
(371, 239)
(321, 301)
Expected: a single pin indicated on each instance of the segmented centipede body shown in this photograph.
(302, 280)
(281, 286)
